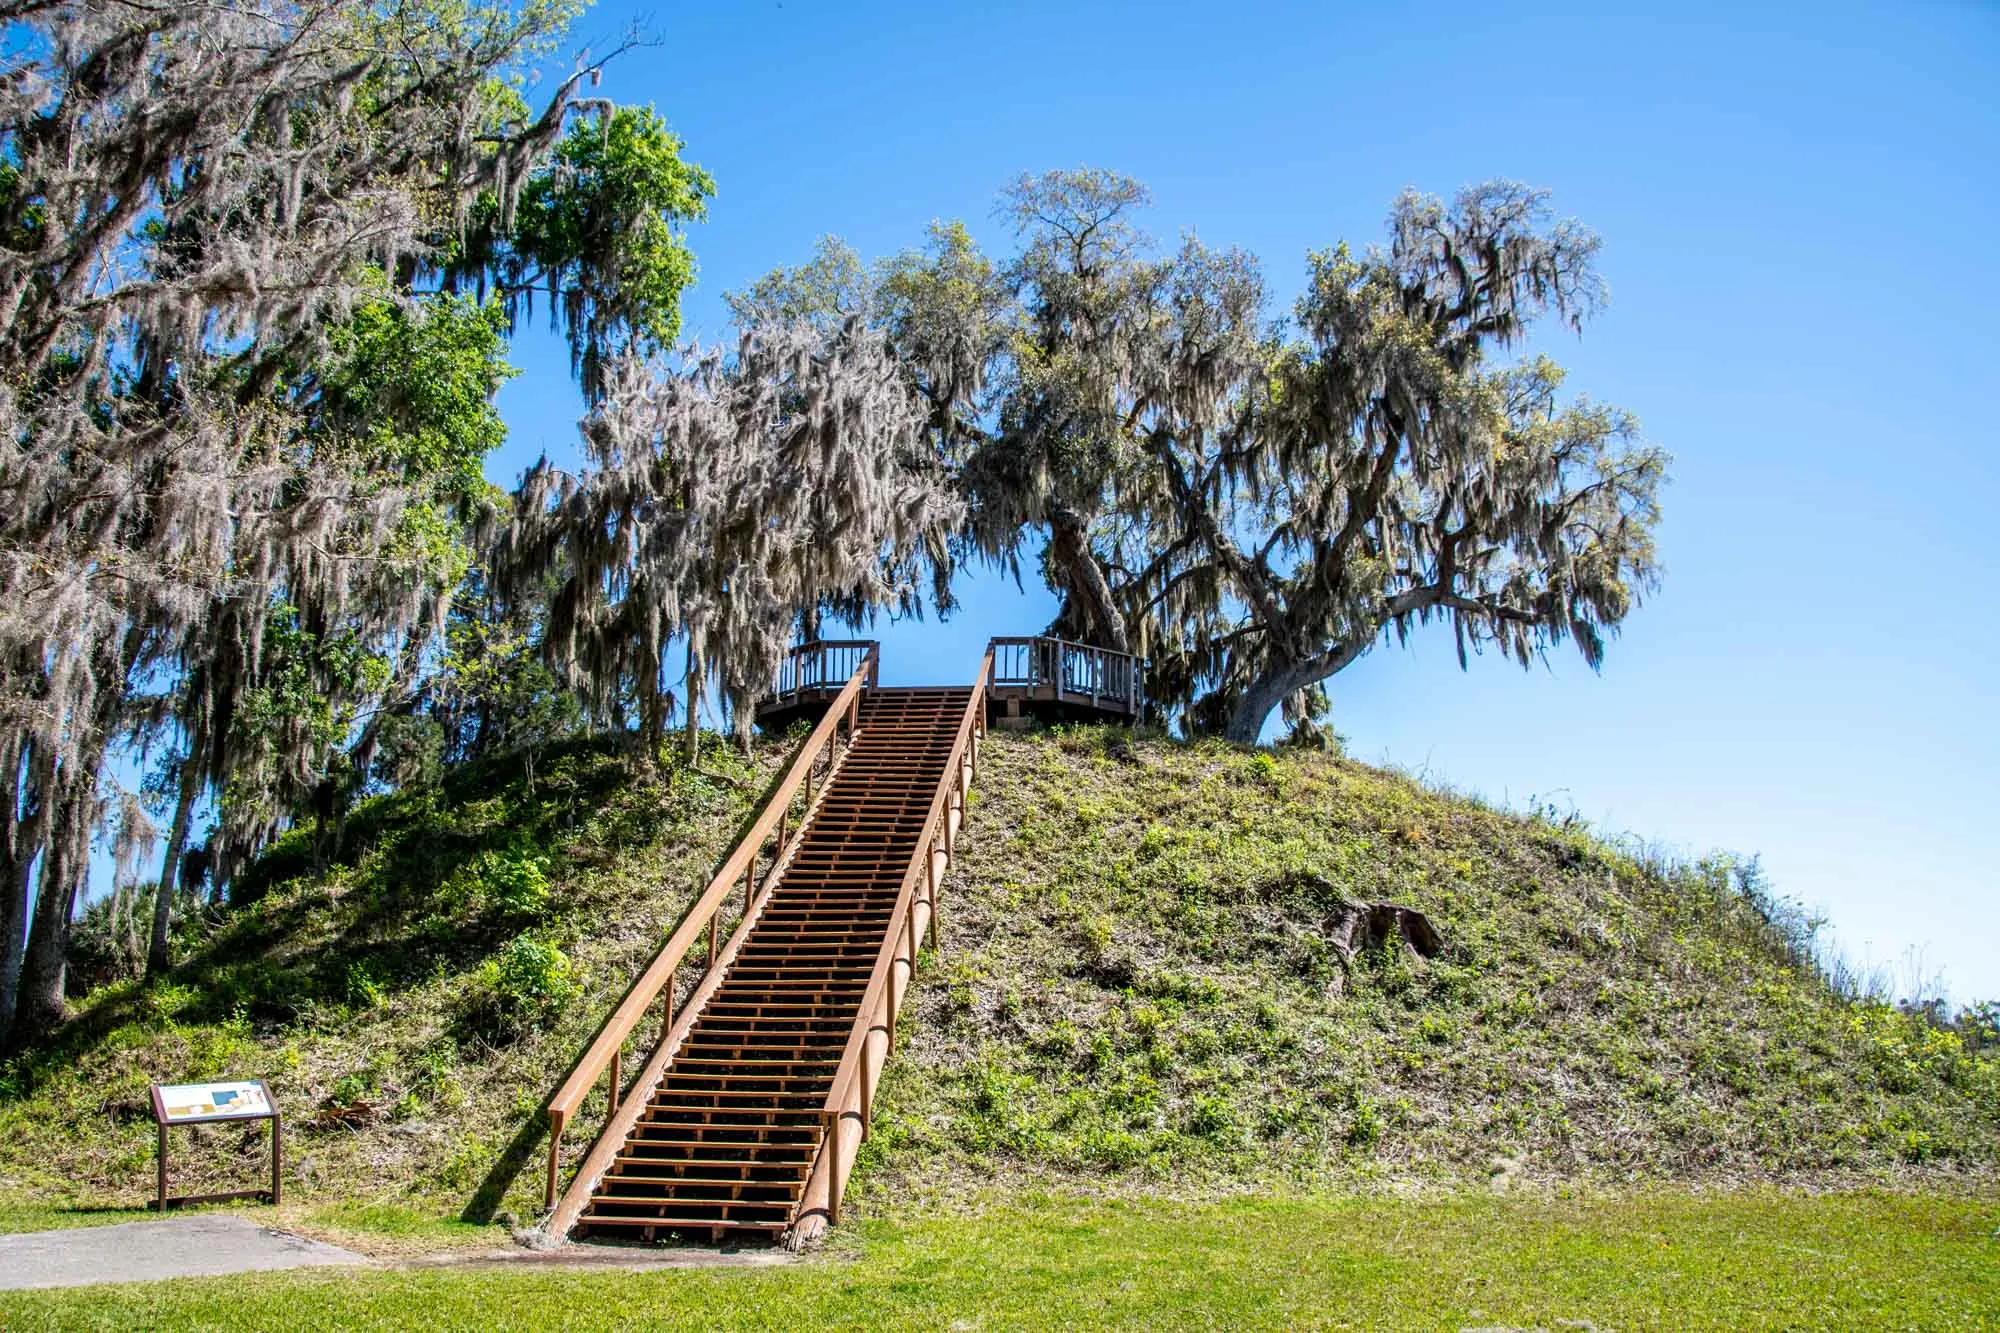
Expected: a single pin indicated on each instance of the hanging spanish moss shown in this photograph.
(725, 500)
(192, 197)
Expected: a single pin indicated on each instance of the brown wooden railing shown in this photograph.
(770, 840)
(821, 667)
(1044, 668)
(851, 1097)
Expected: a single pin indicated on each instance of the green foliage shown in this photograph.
(412, 384)
(455, 952)
(1118, 1004)
(527, 984)
(827, 288)
(364, 990)
(513, 881)
(601, 228)
(493, 690)
(290, 729)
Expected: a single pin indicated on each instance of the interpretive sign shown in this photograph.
(208, 1103)
(184, 1102)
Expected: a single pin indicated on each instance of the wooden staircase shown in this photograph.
(736, 1125)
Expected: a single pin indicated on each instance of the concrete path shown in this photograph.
(139, 1251)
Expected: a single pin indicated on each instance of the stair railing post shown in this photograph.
(556, 1121)
(617, 1079)
(868, 1090)
(833, 1181)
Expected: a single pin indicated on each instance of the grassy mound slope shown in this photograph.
(413, 1006)
(1133, 994)
(1134, 986)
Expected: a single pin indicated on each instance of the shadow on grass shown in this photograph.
(290, 940)
(484, 1205)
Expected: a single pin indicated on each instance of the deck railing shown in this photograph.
(850, 1100)
(821, 667)
(769, 841)
(1047, 668)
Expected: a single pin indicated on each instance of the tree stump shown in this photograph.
(1356, 928)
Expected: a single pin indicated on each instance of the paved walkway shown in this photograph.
(139, 1251)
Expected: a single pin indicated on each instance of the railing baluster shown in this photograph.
(836, 1186)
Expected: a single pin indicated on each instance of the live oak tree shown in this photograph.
(1382, 471)
(1064, 390)
(1024, 367)
(197, 203)
(1250, 503)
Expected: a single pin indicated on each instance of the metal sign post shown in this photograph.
(211, 1103)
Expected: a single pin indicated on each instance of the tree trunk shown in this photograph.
(1266, 692)
(693, 745)
(1084, 583)
(46, 963)
(163, 902)
(1275, 683)
(13, 851)
(24, 792)
(19, 863)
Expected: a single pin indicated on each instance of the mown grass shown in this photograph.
(1648, 1261)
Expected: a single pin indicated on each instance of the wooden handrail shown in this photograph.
(1117, 678)
(794, 680)
(877, 1008)
(606, 1050)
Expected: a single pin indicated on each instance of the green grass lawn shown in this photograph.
(1667, 1261)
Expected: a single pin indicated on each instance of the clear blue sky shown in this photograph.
(1799, 209)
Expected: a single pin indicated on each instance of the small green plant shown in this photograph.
(1212, 1118)
(526, 984)
(511, 882)
(1365, 1131)
(1103, 1050)
(363, 990)
(1437, 1028)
